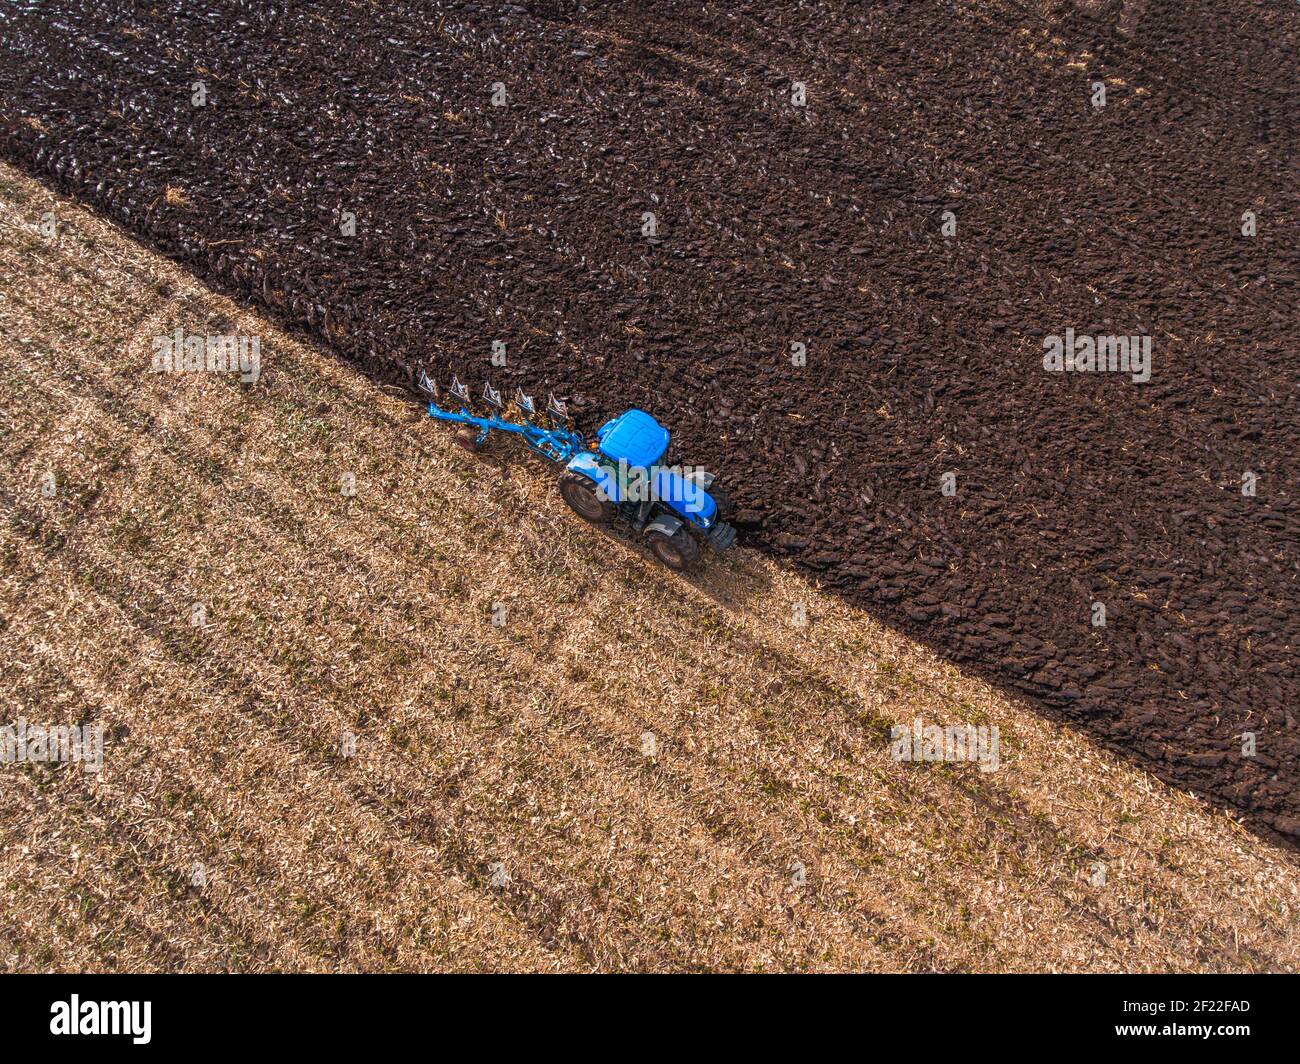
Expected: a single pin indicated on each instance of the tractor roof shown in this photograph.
(634, 437)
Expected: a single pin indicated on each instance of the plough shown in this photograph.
(616, 475)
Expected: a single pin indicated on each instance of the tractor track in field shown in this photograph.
(819, 225)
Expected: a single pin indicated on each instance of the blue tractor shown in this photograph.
(619, 476)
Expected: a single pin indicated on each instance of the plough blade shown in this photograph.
(492, 397)
(427, 384)
(525, 404)
(556, 408)
(459, 391)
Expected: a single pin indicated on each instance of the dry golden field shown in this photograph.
(504, 807)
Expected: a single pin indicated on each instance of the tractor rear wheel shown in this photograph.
(679, 551)
(584, 499)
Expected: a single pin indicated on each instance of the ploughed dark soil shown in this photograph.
(820, 225)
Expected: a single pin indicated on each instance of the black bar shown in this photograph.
(216, 1013)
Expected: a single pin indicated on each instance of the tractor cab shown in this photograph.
(633, 437)
(636, 443)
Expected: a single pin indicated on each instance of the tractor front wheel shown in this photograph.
(679, 551)
(584, 499)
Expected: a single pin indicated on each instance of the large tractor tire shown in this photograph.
(584, 499)
(679, 551)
